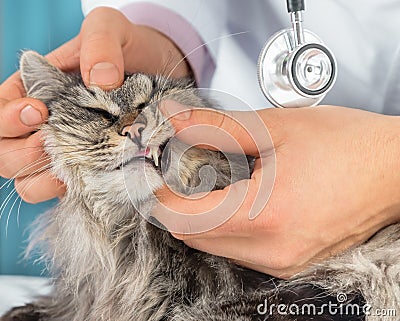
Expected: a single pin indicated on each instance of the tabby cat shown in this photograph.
(109, 263)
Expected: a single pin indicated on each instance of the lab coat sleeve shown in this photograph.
(195, 26)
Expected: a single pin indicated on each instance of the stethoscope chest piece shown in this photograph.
(295, 77)
(295, 69)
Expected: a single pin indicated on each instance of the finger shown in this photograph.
(21, 116)
(39, 187)
(12, 88)
(101, 61)
(215, 214)
(67, 56)
(20, 157)
(210, 128)
(238, 209)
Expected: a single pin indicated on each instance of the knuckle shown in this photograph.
(101, 11)
(98, 19)
(59, 59)
(97, 36)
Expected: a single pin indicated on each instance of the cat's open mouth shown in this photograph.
(151, 155)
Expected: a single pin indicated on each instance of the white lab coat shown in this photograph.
(364, 35)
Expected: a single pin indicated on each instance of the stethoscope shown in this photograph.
(295, 69)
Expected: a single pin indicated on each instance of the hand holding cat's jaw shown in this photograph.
(336, 185)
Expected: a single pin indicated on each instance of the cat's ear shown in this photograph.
(41, 79)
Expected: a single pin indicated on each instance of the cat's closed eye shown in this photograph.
(141, 106)
(105, 114)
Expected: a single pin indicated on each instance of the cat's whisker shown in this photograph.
(41, 147)
(27, 167)
(19, 149)
(9, 215)
(42, 173)
(44, 170)
(27, 154)
(4, 204)
(6, 184)
(42, 159)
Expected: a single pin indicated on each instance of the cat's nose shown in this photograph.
(134, 132)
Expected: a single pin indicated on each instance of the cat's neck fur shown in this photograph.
(113, 250)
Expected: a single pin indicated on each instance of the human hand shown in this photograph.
(336, 185)
(107, 46)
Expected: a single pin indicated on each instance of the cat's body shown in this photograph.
(109, 263)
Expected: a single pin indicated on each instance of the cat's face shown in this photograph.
(102, 140)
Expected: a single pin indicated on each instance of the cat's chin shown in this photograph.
(141, 179)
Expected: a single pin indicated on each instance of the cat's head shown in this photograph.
(99, 140)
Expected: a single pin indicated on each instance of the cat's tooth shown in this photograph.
(154, 153)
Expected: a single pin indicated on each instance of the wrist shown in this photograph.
(394, 141)
(390, 169)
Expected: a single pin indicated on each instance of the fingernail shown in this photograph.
(176, 110)
(104, 73)
(30, 116)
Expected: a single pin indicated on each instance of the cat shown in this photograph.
(108, 262)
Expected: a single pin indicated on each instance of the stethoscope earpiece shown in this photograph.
(295, 69)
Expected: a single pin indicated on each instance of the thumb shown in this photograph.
(102, 39)
(187, 216)
(230, 131)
